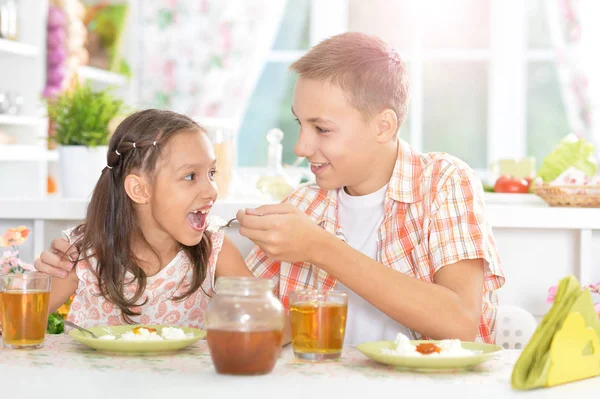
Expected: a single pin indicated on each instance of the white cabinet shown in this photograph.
(25, 162)
(23, 167)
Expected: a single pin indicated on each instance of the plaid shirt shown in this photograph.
(434, 217)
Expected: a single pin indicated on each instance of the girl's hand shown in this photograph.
(282, 231)
(56, 261)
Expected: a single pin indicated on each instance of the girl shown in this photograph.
(147, 257)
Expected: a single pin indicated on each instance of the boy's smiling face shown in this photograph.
(343, 148)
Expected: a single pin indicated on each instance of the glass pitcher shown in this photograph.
(244, 326)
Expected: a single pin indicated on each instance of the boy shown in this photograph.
(416, 254)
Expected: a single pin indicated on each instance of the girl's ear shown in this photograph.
(138, 189)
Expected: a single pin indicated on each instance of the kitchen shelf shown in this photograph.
(101, 76)
(19, 120)
(18, 152)
(17, 48)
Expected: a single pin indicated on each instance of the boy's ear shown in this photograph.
(387, 125)
(137, 189)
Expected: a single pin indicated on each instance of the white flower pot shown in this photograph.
(80, 168)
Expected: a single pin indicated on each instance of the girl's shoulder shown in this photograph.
(216, 237)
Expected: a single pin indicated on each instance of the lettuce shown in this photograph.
(571, 151)
(55, 324)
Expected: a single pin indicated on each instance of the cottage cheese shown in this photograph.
(448, 348)
(144, 334)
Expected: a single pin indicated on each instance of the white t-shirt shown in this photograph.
(360, 218)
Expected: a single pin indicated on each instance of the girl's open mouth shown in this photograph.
(197, 219)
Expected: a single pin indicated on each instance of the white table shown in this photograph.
(64, 368)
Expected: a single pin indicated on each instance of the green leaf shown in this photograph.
(55, 324)
(487, 188)
(570, 152)
(81, 116)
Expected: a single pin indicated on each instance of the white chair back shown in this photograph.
(514, 327)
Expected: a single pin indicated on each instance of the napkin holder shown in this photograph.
(574, 350)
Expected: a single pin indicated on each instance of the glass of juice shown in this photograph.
(24, 302)
(318, 320)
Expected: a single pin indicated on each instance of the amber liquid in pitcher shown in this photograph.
(318, 328)
(244, 353)
(24, 316)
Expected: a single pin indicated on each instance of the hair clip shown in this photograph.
(134, 144)
(117, 152)
(109, 167)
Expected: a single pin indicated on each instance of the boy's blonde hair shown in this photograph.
(365, 67)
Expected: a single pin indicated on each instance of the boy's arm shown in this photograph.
(450, 308)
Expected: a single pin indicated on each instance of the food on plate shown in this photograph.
(427, 348)
(446, 347)
(149, 334)
(138, 330)
(508, 184)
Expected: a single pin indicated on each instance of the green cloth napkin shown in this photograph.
(531, 369)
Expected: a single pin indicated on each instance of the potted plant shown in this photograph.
(81, 118)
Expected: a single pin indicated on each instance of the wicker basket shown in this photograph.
(569, 196)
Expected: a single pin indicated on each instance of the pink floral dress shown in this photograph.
(90, 309)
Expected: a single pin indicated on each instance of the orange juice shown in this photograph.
(24, 316)
(318, 328)
(225, 153)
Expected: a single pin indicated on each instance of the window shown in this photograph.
(546, 112)
(484, 79)
(272, 98)
(304, 23)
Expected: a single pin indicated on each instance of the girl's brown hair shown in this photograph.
(111, 223)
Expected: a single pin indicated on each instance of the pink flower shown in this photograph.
(26, 266)
(14, 237)
(597, 308)
(595, 288)
(551, 294)
(10, 263)
(5, 267)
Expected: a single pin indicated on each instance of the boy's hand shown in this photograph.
(281, 231)
(55, 261)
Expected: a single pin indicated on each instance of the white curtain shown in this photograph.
(204, 57)
(575, 29)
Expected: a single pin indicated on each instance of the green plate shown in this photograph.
(373, 350)
(134, 347)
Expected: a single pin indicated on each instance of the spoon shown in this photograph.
(73, 325)
(217, 223)
(228, 224)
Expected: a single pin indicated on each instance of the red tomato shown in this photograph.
(507, 184)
